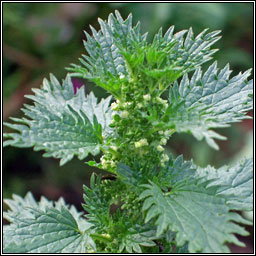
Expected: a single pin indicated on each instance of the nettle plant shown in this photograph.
(162, 204)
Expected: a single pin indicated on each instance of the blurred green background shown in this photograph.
(43, 38)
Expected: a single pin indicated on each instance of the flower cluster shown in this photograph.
(135, 120)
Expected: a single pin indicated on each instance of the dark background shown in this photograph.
(43, 38)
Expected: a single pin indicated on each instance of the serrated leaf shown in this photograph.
(172, 55)
(236, 183)
(209, 101)
(135, 238)
(129, 176)
(191, 208)
(97, 202)
(62, 123)
(45, 227)
(119, 53)
(105, 64)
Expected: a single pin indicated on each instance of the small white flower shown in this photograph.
(163, 141)
(144, 142)
(160, 148)
(139, 105)
(159, 99)
(147, 97)
(165, 158)
(161, 132)
(112, 164)
(121, 76)
(127, 104)
(104, 164)
(106, 235)
(114, 106)
(162, 101)
(124, 114)
(137, 144)
(141, 143)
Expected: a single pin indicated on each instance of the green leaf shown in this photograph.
(129, 176)
(135, 238)
(181, 250)
(105, 64)
(97, 203)
(119, 54)
(236, 183)
(45, 227)
(209, 101)
(62, 123)
(194, 208)
(172, 55)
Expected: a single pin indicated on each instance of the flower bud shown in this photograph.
(124, 114)
(112, 164)
(147, 97)
(106, 235)
(114, 106)
(141, 143)
(165, 158)
(163, 141)
(104, 164)
(160, 148)
(139, 105)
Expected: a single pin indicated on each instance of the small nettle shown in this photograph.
(162, 204)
